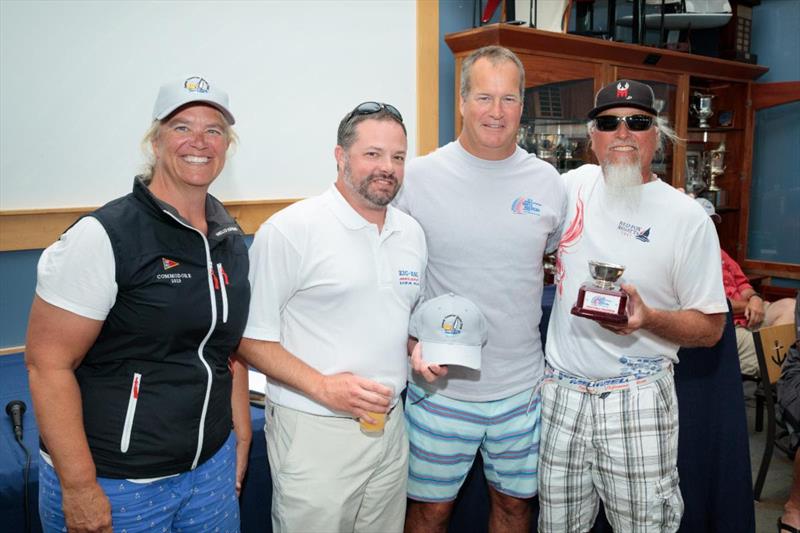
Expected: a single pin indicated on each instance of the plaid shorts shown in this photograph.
(615, 440)
(445, 434)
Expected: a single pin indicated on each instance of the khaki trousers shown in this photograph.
(328, 476)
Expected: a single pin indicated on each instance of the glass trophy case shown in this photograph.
(714, 135)
(553, 124)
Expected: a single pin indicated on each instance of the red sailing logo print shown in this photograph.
(168, 263)
(568, 240)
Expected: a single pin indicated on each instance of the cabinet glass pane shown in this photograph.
(554, 120)
(666, 94)
(775, 195)
(553, 124)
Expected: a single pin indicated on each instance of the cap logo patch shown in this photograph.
(168, 263)
(622, 90)
(196, 84)
(452, 325)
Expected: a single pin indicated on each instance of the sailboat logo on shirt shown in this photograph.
(639, 233)
(169, 263)
(526, 206)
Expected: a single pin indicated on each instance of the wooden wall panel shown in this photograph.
(32, 229)
(427, 76)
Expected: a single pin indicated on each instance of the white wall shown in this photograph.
(78, 80)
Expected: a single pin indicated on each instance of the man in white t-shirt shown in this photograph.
(334, 280)
(490, 210)
(609, 411)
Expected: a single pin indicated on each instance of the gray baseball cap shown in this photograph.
(178, 93)
(452, 330)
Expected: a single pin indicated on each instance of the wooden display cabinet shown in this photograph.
(563, 72)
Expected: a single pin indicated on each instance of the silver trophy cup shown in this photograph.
(702, 109)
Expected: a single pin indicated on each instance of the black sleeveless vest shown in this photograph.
(156, 385)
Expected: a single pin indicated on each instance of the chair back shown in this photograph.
(772, 343)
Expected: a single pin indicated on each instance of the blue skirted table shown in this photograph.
(713, 453)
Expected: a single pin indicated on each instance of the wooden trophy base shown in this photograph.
(601, 305)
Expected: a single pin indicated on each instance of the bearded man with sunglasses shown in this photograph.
(334, 280)
(609, 410)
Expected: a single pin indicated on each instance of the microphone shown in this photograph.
(15, 409)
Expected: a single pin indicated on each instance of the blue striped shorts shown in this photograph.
(445, 434)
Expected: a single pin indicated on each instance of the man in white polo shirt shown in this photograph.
(334, 280)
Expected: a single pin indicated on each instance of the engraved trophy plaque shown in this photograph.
(702, 109)
(601, 300)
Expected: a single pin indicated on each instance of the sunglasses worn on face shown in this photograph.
(634, 122)
(370, 108)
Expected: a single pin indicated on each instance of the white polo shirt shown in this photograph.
(335, 292)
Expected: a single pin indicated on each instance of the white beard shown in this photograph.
(623, 182)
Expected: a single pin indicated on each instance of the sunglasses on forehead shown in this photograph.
(634, 122)
(370, 108)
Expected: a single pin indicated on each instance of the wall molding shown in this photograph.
(35, 229)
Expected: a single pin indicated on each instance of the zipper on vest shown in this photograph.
(128, 426)
(223, 280)
(213, 298)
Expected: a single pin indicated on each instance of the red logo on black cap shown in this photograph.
(622, 90)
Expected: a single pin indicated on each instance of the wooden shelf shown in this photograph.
(553, 43)
(719, 129)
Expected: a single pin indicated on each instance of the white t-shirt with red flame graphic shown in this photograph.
(671, 254)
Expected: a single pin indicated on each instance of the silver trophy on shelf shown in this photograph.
(715, 167)
(522, 136)
(570, 145)
(702, 108)
(526, 138)
(546, 146)
(695, 170)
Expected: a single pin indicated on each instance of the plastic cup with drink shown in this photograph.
(376, 429)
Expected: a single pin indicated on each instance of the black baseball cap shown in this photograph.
(624, 93)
